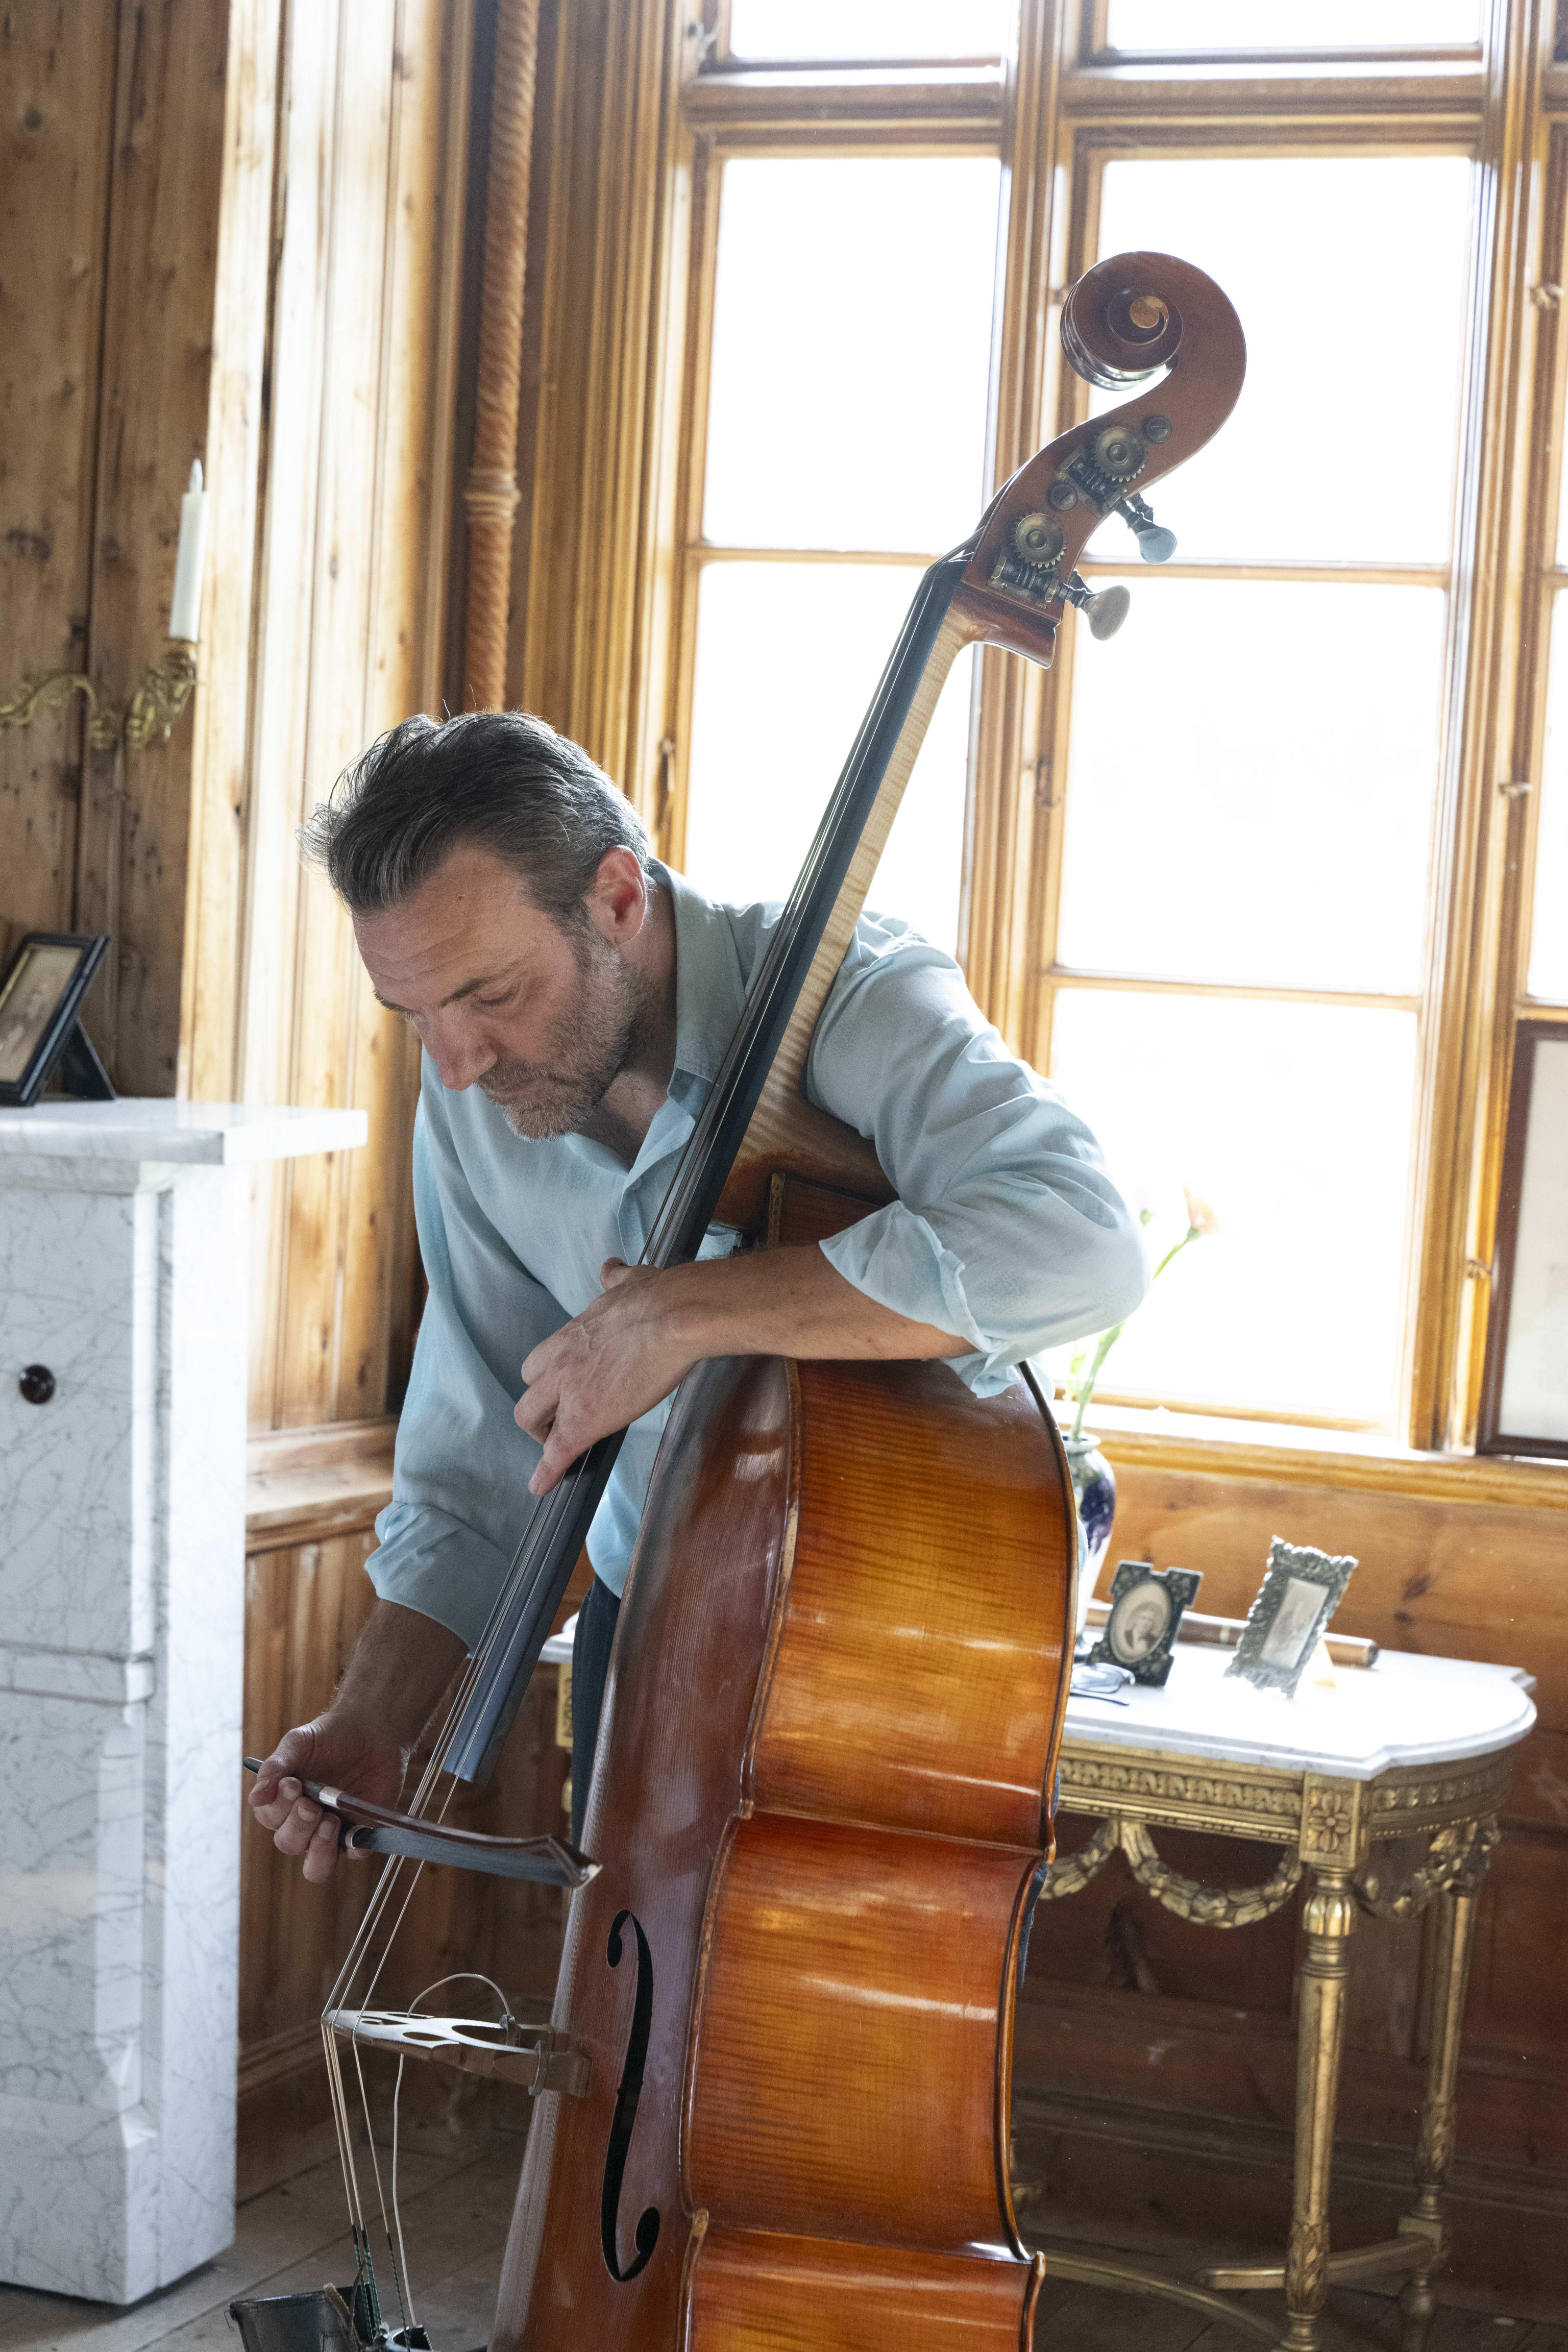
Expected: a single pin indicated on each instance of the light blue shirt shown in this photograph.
(1007, 1231)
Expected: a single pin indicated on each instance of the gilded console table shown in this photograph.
(1410, 1747)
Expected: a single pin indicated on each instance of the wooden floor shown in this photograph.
(457, 2193)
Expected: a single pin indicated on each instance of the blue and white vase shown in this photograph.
(1094, 1493)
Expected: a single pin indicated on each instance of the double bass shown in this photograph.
(773, 2101)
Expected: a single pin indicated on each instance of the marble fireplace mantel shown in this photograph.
(123, 1262)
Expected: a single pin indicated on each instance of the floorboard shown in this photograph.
(456, 2191)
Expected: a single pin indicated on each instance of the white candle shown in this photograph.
(186, 611)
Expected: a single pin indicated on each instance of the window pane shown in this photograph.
(1549, 929)
(1337, 451)
(1290, 24)
(851, 351)
(1293, 1122)
(866, 29)
(1250, 785)
(788, 656)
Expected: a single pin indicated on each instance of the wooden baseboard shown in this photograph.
(303, 1486)
(285, 2053)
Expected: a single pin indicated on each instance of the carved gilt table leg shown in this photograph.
(1329, 1922)
(1456, 1919)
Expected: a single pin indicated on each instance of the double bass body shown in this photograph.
(818, 1810)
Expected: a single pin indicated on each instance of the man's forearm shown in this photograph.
(648, 1329)
(401, 1664)
(790, 1302)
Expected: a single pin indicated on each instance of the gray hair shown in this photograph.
(497, 780)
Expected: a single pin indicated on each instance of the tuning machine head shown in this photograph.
(1104, 609)
(1156, 544)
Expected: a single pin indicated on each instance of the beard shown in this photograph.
(603, 1028)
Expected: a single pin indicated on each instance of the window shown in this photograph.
(846, 447)
(1263, 882)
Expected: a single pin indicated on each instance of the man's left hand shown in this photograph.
(618, 1358)
(639, 1339)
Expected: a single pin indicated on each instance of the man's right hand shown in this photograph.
(333, 1754)
(402, 1662)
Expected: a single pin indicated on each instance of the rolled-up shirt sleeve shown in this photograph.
(459, 1494)
(1008, 1231)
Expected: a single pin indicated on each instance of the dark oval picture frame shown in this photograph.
(1146, 1606)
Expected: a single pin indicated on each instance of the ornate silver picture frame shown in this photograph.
(1301, 1590)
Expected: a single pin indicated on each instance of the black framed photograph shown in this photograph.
(41, 990)
(1301, 1590)
(1525, 1386)
(1146, 1606)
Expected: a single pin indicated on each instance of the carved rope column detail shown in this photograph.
(490, 495)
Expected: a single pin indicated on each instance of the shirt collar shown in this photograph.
(710, 986)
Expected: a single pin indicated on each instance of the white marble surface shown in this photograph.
(122, 1637)
(225, 1135)
(1405, 1709)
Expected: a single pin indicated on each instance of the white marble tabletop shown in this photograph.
(1405, 1709)
(151, 1127)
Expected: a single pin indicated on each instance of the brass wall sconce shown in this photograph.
(159, 700)
(149, 716)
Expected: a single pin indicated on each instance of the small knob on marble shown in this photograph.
(37, 1383)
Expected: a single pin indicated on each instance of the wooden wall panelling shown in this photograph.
(554, 410)
(276, 796)
(624, 326)
(605, 436)
(358, 361)
(376, 1310)
(221, 713)
(58, 63)
(360, 357)
(162, 265)
(345, 555)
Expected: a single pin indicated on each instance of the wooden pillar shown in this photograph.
(491, 493)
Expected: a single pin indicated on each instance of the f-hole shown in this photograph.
(627, 2098)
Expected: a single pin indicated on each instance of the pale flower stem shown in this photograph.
(1084, 1392)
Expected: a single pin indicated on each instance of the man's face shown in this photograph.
(540, 1016)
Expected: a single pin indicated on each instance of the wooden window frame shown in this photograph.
(1059, 104)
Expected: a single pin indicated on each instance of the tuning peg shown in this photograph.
(1104, 611)
(1155, 545)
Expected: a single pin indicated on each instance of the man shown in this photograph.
(573, 999)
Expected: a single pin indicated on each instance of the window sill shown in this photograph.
(1285, 1453)
(308, 1486)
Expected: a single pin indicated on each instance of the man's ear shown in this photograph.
(618, 898)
